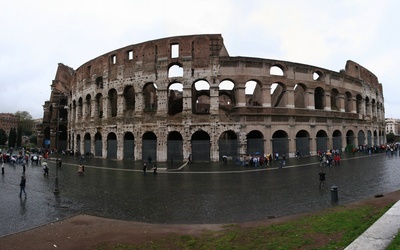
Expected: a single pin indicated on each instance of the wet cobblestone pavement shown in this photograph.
(197, 193)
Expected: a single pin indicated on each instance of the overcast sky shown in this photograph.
(37, 35)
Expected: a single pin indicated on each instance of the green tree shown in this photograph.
(19, 136)
(3, 137)
(25, 121)
(390, 137)
(12, 138)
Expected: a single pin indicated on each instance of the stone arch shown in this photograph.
(174, 147)
(149, 146)
(226, 94)
(300, 96)
(369, 138)
(150, 97)
(280, 142)
(175, 70)
(98, 145)
(337, 140)
(373, 106)
(99, 106)
(361, 138)
(318, 75)
(175, 98)
(367, 106)
(80, 107)
(335, 100)
(303, 142)
(112, 103)
(201, 97)
(253, 93)
(255, 142)
(99, 82)
(78, 143)
(277, 70)
(87, 143)
(112, 146)
(88, 105)
(278, 91)
(375, 137)
(319, 98)
(228, 144)
(129, 146)
(129, 98)
(46, 137)
(359, 104)
(350, 140)
(348, 102)
(200, 146)
(322, 140)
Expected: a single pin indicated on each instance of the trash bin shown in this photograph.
(334, 193)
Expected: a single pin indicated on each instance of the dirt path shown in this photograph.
(85, 232)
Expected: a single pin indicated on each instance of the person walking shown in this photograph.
(22, 185)
(155, 169)
(144, 169)
(321, 179)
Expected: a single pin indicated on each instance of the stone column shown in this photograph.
(120, 105)
(311, 101)
(290, 98)
(214, 98)
(328, 105)
(353, 105)
(266, 95)
(342, 103)
(240, 95)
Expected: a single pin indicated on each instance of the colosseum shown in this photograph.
(184, 96)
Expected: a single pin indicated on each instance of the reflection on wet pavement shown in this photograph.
(197, 193)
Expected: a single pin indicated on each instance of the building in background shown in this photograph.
(8, 121)
(392, 126)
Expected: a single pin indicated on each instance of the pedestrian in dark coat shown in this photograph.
(22, 185)
(321, 179)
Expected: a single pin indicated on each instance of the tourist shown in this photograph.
(144, 169)
(155, 169)
(321, 179)
(22, 186)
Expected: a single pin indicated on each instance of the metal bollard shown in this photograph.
(334, 193)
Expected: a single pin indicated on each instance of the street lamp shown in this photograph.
(61, 96)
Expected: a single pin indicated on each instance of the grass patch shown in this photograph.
(331, 229)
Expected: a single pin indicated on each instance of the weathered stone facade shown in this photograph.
(180, 96)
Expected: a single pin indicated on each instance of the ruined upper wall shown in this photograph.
(356, 70)
(150, 60)
(145, 57)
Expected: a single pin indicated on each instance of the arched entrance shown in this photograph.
(228, 144)
(200, 146)
(129, 146)
(98, 145)
(350, 140)
(112, 146)
(87, 142)
(149, 146)
(174, 146)
(255, 142)
(280, 143)
(337, 140)
(361, 138)
(78, 144)
(322, 141)
(303, 143)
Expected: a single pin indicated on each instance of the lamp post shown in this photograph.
(56, 185)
